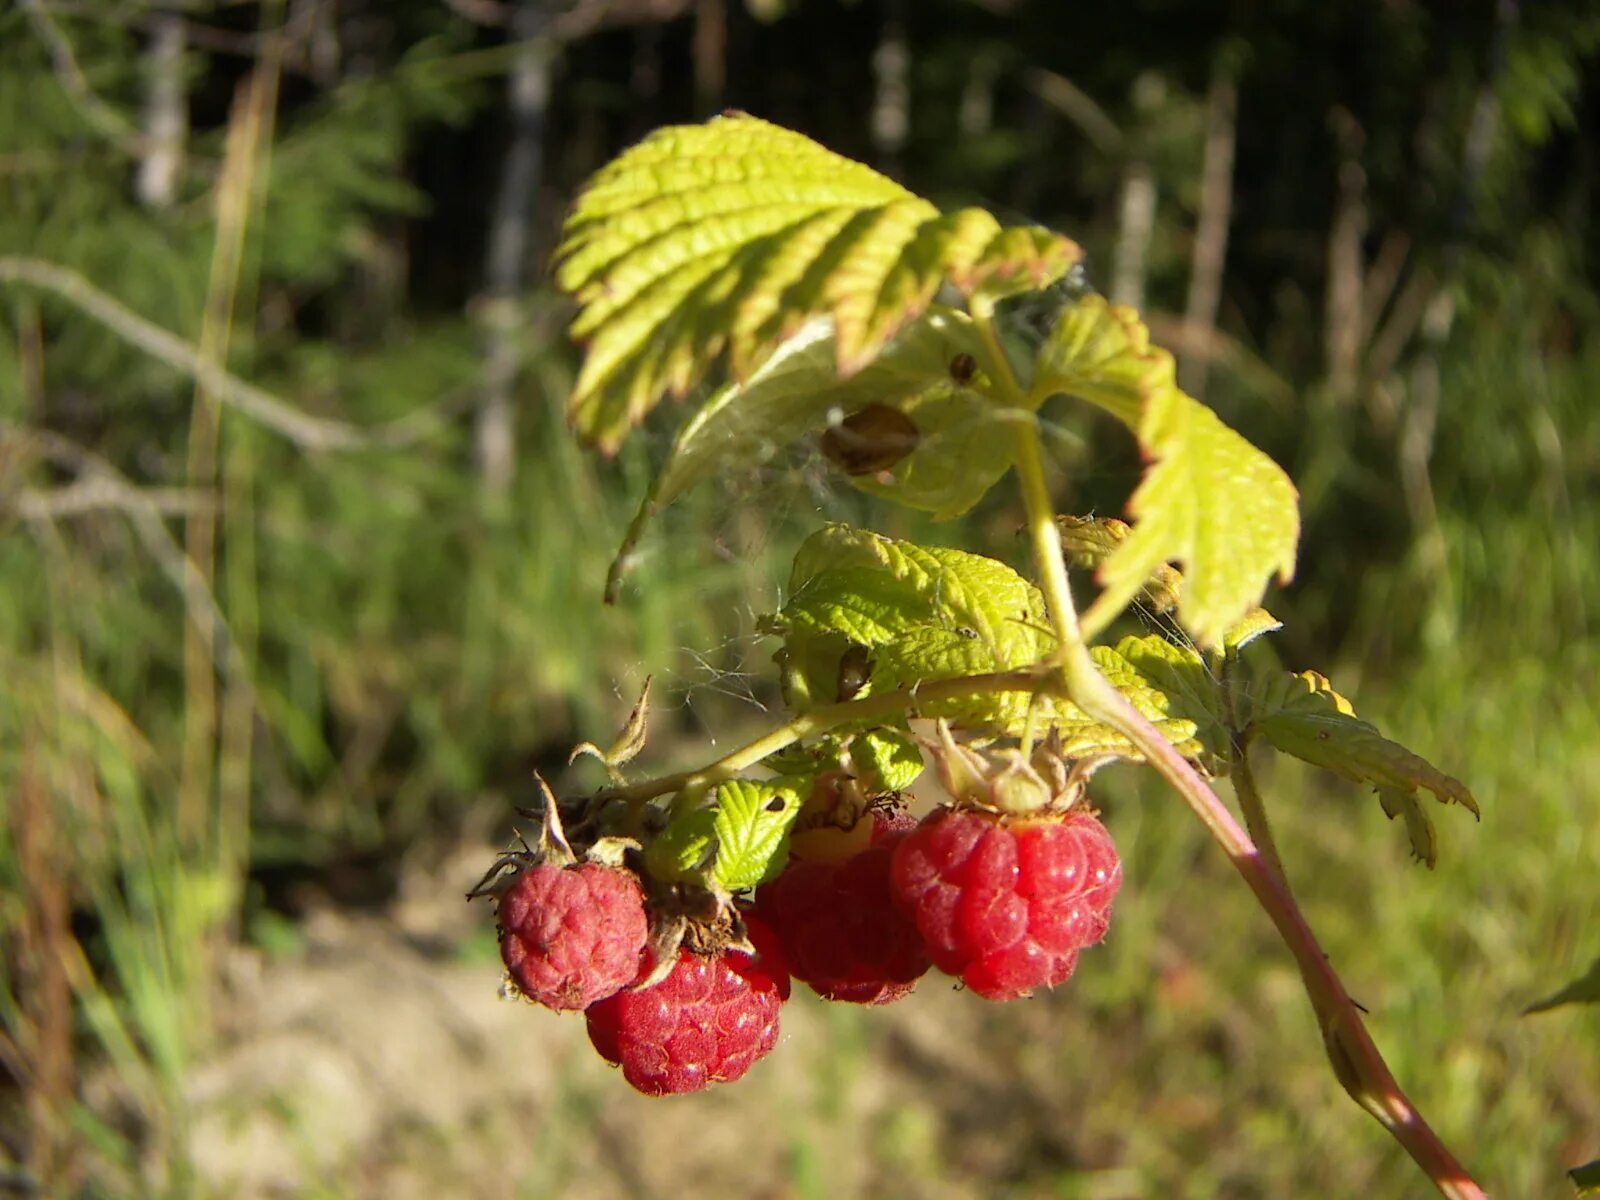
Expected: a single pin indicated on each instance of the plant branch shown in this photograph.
(260, 405)
(97, 114)
(1244, 780)
(900, 702)
(1356, 1060)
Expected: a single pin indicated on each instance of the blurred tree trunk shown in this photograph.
(977, 95)
(1211, 229)
(710, 54)
(1421, 417)
(506, 262)
(1344, 319)
(166, 114)
(1136, 224)
(891, 91)
(644, 80)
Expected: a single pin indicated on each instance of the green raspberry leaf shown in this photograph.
(1192, 691)
(914, 613)
(686, 848)
(961, 449)
(728, 236)
(920, 613)
(890, 759)
(1583, 990)
(884, 759)
(1302, 715)
(1209, 500)
(753, 822)
(738, 841)
(1084, 738)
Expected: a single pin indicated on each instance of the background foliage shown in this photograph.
(253, 681)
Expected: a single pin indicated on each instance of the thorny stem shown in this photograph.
(1355, 1058)
(900, 702)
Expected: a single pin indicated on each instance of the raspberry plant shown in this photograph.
(920, 348)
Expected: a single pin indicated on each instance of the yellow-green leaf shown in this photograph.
(738, 840)
(1209, 500)
(923, 613)
(1302, 715)
(1090, 541)
(730, 235)
(1192, 691)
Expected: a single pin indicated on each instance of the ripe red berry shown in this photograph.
(1007, 903)
(840, 928)
(707, 1022)
(571, 935)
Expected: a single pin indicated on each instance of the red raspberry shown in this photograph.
(1007, 903)
(840, 928)
(707, 1022)
(571, 935)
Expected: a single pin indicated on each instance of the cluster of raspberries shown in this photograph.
(1003, 903)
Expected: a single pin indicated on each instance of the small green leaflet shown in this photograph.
(963, 449)
(921, 612)
(926, 613)
(1083, 738)
(1191, 690)
(1586, 1179)
(1210, 500)
(890, 759)
(730, 235)
(885, 760)
(1302, 715)
(739, 840)
(1090, 541)
(1583, 990)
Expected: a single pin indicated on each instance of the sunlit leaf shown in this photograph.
(1192, 691)
(729, 235)
(1209, 500)
(889, 759)
(922, 612)
(1302, 715)
(738, 840)
(1090, 541)
(925, 613)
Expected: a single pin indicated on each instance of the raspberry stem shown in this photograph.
(1355, 1058)
(898, 703)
